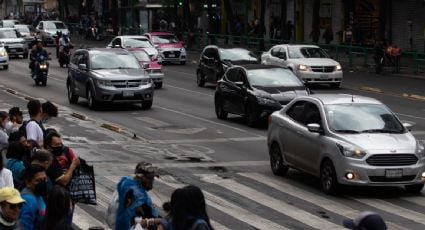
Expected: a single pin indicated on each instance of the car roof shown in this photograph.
(7, 28)
(107, 50)
(52, 21)
(332, 99)
(132, 36)
(297, 45)
(160, 33)
(257, 66)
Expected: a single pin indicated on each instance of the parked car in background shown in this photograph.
(345, 139)
(13, 43)
(27, 32)
(214, 61)
(255, 91)
(4, 57)
(309, 62)
(135, 41)
(152, 67)
(48, 31)
(169, 47)
(8, 23)
(108, 75)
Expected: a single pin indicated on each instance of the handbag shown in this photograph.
(83, 186)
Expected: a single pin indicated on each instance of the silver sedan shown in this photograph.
(345, 139)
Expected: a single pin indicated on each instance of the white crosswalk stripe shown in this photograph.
(333, 205)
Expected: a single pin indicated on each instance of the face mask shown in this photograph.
(41, 189)
(8, 126)
(57, 151)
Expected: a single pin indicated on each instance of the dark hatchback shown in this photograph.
(214, 61)
(108, 75)
(256, 91)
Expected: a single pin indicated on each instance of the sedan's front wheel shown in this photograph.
(328, 178)
(219, 110)
(72, 98)
(251, 116)
(200, 79)
(276, 161)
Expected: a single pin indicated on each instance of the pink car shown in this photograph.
(152, 66)
(169, 47)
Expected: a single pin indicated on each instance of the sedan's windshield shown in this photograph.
(141, 55)
(273, 77)
(113, 61)
(8, 34)
(55, 25)
(306, 52)
(362, 118)
(23, 29)
(165, 39)
(237, 55)
(137, 43)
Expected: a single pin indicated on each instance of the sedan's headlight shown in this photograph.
(350, 151)
(303, 68)
(183, 50)
(420, 149)
(104, 83)
(266, 100)
(3, 53)
(146, 81)
(338, 67)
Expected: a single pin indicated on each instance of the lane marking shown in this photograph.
(152, 121)
(188, 90)
(411, 116)
(181, 72)
(419, 200)
(303, 194)
(215, 140)
(270, 202)
(131, 165)
(84, 220)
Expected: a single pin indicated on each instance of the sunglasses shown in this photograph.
(15, 206)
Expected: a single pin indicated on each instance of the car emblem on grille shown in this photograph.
(393, 151)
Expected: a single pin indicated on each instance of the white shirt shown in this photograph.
(34, 132)
(6, 179)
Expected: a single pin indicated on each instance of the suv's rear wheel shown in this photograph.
(328, 178)
(72, 98)
(200, 78)
(276, 161)
(93, 104)
(414, 188)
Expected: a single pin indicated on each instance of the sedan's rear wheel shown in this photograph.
(414, 188)
(328, 178)
(219, 110)
(200, 79)
(276, 161)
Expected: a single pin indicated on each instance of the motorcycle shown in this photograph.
(65, 56)
(41, 69)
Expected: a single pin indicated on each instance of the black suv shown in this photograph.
(215, 60)
(108, 75)
(256, 91)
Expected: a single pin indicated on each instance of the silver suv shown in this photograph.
(13, 42)
(345, 139)
(108, 75)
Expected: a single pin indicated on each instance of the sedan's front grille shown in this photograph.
(156, 71)
(126, 84)
(174, 53)
(392, 159)
(323, 69)
(386, 179)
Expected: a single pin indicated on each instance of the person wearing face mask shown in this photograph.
(4, 137)
(10, 208)
(15, 120)
(34, 209)
(49, 110)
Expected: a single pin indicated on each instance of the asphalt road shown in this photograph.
(227, 159)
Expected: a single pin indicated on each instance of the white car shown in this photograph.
(49, 31)
(4, 58)
(309, 62)
(135, 41)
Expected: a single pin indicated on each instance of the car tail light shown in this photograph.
(270, 119)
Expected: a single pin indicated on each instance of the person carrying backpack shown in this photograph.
(133, 199)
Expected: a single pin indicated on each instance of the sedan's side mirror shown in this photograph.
(239, 84)
(314, 128)
(117, 46)
(82, 66)
(408, 126)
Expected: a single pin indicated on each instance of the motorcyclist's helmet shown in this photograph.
(59, 33)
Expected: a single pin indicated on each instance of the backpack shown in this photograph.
(23, 127)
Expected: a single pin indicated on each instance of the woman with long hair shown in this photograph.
(188, 211)
(58, 209)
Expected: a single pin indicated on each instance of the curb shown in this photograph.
(29, 98)
(370, 89)
(414, 96)
(79, 116)
(112, 127)
(9, 90)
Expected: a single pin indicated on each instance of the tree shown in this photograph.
(261, 25)
(315, 32)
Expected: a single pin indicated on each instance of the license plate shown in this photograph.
(393, 173)
(12, 50)
(324, 76)
(171, 55)
(128, 93)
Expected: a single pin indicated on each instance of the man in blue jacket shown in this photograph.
(34, 209)
(133, 199)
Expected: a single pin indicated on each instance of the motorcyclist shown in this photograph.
(57, 39)
(64, 43)
(37, 53)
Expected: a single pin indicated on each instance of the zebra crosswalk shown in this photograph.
(253, 200)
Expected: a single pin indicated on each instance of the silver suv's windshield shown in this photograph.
(113, 61)
(8, 34)
(137, 43)
(306, 52)
(237, 55)
(272, 77)
(362, 118)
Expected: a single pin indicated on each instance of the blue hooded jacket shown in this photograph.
(141, 197)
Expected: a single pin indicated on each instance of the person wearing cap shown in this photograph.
(133, 199)
(10, 207)
(366, 221)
